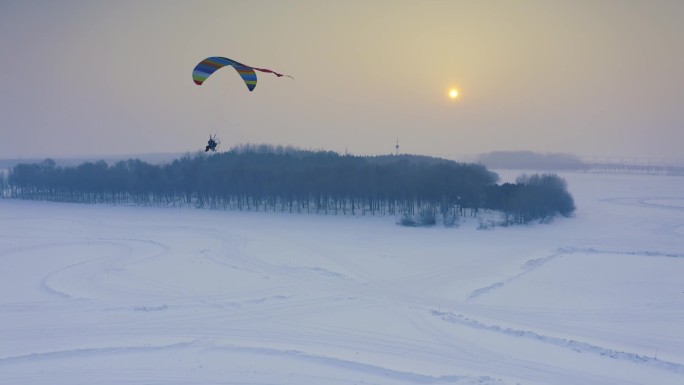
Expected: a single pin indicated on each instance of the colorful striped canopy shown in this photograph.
(211, 64)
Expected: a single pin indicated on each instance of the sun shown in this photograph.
(453, 93)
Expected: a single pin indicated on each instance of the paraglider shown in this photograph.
(208, 66)
(211, 64)
(212, 144)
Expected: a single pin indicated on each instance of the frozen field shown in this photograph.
(133, 295)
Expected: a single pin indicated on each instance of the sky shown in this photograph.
(591, 78)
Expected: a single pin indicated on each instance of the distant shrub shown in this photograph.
(407, 220)
(450, 219)
(427, 217)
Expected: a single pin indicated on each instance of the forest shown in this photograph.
(422, 190)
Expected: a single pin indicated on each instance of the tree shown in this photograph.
(277, 178)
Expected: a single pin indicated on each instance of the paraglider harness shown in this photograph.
(212, 144)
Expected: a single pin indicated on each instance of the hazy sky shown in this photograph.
(114, 77)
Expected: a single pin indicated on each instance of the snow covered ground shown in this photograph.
(132, 295)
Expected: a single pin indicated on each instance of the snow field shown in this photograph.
(112, 295)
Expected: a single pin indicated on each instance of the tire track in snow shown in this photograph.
(578, 346)
(645, 253)
(45, 286)
(117, 262)
(533, 264)
(340, 364)
(527, 267)
(91, 351)
(391, 374)
(647, 202)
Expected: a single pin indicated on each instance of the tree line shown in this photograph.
(267, 178)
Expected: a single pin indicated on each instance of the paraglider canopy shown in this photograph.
(211, 64)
